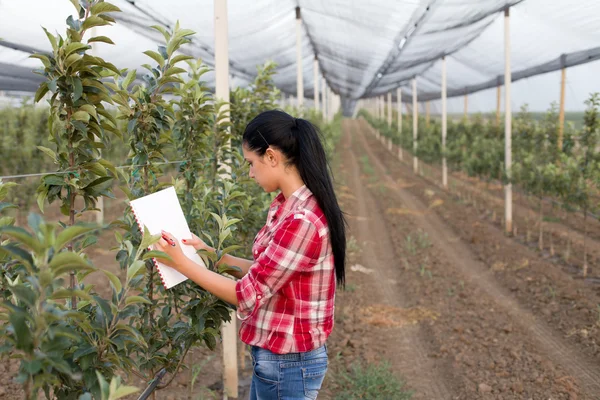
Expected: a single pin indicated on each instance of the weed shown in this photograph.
(371, 382)
(196, 369)
(410, 245)
(423, 240)
(350, 288)
(551, 292)
(352, 247)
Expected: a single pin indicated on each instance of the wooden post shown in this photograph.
(498, 100)
(228, 330)
(508, 125)
(299, 67)
(389, 109)
(561, 115)
(399, 104)
(415, 126)
(316, 84)
(444, 125)
(427, 107)
(324, 97)
(466, 106)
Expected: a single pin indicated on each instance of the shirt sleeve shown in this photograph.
(295, 247)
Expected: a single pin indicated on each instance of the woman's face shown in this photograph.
(262, 168)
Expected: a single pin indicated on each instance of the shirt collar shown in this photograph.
(300, 195)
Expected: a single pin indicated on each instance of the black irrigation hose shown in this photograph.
(153, 384)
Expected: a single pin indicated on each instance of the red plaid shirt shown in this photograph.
(286, 300)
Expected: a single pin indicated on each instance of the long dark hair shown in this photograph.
(300, 142)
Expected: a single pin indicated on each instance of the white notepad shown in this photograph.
(162, 211)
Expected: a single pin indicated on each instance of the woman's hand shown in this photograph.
(197, 243)
(169, 245)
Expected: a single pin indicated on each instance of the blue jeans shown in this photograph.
(294, 376)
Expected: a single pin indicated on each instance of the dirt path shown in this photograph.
(460, 256)
(560, 236)
(405, 348)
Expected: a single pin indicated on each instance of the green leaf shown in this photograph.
(68, 293)
(72, 233)
(162, 30)
(116, 282)
(135, 268)
(76, 5)
(75, 47)
(156, 57)
(81, 116)
(103, 39)
(45, 60)
(149, 239)
(77, 89)
(22, 236)
(180, 57)
(49, 152)
(52, 40)
(72, 59)
(41, 92)
(4, 205)
(174, 71)
(66, 261)
(22, 333)
(104, 7)
(92, 21)
(184, 33)
(129, 78)
(155, 254)
(123, 391)
(136, 300)
(90, 109)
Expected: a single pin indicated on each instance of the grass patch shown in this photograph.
(370, 382)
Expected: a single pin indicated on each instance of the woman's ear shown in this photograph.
(272, 157)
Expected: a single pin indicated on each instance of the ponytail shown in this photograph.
(316, 173)
(299, 140)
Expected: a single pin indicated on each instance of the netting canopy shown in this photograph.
(364, 48)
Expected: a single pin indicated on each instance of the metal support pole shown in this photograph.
(507, 125)
(228, 330)
(399, 105)
(316, 84)
(466, 106)
(389, 109)
(415, 126)
(299, 69)
(561, 115)
(498, 102)
(444, 125)
(100, 202)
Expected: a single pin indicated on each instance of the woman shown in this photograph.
(285, 296)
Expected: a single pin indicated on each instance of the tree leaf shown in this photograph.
(52, 40)
(72, 233)
(134, 268)
(75, 47)
(49, 152)
(41, 92)
(103, 39)
(116, 282)
(81, 116)
(136, 300)
(156, 57)
(77, 89)
(92, 21)
(180, 57)
(66, 261)
(155, 254)
(129, 78)
(162, 30)
(104, 7)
